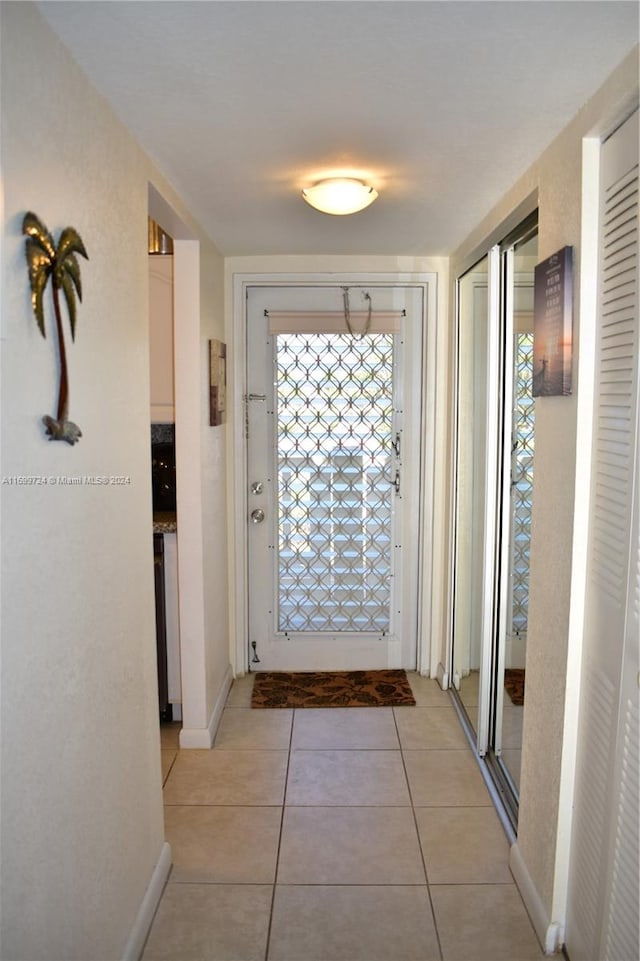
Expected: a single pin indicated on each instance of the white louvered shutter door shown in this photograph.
(602, 920)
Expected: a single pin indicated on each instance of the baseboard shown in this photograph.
(548, 931)
(443, 677)
(203, 737)
(146, 913)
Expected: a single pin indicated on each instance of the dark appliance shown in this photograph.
(163, 477)
(161, 629)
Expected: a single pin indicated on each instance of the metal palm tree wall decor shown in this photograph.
(61, 263)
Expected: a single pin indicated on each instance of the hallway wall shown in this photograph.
(552, 656)
(81, 805)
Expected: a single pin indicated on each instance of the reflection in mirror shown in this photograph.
(470, 484)
(509, 726)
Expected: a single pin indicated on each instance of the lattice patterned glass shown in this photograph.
(334, 418)
(522, 467)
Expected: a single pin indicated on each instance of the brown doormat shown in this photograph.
(332, 689)
(514, 684)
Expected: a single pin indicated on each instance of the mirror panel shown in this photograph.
(473, 340)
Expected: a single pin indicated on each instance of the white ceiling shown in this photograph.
(441, 105)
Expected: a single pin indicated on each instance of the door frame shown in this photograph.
(191, 587)
(238, 478)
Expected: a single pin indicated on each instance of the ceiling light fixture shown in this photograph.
(340, 195)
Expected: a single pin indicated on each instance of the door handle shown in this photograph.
(257, 516)
(394, 481)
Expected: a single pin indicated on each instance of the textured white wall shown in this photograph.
(81, 814)
(556, 177)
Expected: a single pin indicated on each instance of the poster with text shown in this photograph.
(553, 325)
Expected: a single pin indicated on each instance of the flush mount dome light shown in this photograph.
(340, 195)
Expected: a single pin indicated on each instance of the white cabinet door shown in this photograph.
(172, 618)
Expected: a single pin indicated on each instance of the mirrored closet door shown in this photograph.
(469, 612)
(495, 442)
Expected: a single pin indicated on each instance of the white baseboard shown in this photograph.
(203, 737)
(443, 677)
(146, 913)
(548, 931)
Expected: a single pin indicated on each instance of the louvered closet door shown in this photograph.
(602, 921)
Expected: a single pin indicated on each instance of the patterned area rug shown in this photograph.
(514, 684)
(332, 689)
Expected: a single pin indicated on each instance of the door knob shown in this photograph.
(257, 516)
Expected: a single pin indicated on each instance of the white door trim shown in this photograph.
(238, 481)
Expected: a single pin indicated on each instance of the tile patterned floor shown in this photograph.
(362, 834)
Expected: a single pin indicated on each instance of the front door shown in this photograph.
(333, 428)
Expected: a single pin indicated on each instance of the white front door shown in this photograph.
(333, 427)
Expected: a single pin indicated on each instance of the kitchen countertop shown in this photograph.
(164, 522)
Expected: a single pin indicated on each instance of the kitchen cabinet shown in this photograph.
(161, 338)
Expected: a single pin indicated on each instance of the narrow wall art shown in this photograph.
(217, 382)
(553, 325)
(45, 260)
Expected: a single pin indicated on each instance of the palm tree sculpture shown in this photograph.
(46, 260)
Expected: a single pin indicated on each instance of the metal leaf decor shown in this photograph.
(46, 260)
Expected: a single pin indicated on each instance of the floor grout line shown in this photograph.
(277, 862)
(415, 823)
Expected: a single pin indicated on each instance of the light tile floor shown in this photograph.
(362, 834)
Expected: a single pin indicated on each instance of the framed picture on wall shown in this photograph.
(217, 382)
(553, 325)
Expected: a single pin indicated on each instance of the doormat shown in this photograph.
(514, 684)
(332, 689)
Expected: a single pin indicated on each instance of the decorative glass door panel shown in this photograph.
(333, 459)
(334, 398)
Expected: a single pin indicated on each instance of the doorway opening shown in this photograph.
(196, 716)
(336, 474)
(163, 470)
